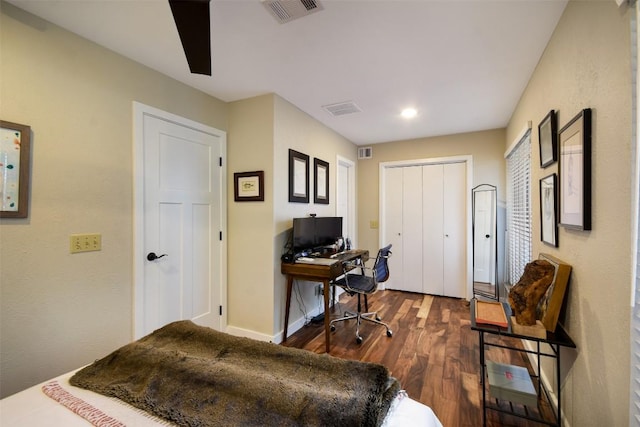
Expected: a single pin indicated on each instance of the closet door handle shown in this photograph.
(151, 256)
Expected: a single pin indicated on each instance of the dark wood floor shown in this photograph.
(433, 352)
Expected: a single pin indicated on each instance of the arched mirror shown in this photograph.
(485, 242)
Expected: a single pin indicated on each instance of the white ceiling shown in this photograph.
(462, 64)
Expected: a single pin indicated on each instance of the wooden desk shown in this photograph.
(318, 273)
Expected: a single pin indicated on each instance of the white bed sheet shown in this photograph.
(32, 407)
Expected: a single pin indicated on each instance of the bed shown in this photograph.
(184, 374)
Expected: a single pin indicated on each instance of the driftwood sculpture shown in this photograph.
(526, 294)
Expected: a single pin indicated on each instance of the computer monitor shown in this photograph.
(304, 234)
(328, 230)
(314, 232)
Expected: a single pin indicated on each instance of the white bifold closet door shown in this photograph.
(454, 242)
(425, 210)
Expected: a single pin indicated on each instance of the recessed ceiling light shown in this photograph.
(409, 113)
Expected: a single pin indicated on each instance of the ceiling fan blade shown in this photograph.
(193, 22)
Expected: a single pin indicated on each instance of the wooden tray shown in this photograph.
(491, 313)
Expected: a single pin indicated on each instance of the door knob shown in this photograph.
(151, 256)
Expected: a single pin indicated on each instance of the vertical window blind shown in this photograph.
(519, 208)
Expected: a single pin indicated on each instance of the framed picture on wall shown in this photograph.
(548, 139)
(548, 209)
(575, 172)
(15, 146)
(298, 177)
(320, 182)
(248, 186)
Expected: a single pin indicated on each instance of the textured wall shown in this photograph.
(485, 147)
(294, 129)
(61, 311)
(587, 64)
(250, 255)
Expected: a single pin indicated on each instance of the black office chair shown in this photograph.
(364, 284)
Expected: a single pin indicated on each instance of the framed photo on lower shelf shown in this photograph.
(548, 210)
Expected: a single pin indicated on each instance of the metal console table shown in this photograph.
(555, 340)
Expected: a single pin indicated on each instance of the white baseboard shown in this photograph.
(247, 333)
(293, 326)
(298, 324)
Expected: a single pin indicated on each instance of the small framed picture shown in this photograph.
(548, 139)
(575, 172)
(15, 146)
(298, 177)
(320, 182)
(248, 186)
(548, 209)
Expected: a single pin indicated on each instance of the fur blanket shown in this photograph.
(196, 376)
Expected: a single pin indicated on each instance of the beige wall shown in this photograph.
(296, 130)
(587, 64)
(250, 224)
(261, 132)
(60, 311)
(485, 147)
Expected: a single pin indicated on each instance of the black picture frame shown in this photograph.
(298, 177)
(15, 146)
(548, 139)
(248, 186)
(549, 210)
(575, 172)
(320, 181)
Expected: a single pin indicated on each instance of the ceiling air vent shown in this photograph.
(365, 152)
(342, 108)
(288, 10)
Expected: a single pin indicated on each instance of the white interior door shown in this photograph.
(180, 212)
(346, 198)
(424, 215)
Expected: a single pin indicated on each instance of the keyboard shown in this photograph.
(318, 261)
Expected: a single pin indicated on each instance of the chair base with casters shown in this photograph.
(369, 317)
(363, 285)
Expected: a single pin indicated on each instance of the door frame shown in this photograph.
(468, 161)
(139, 112)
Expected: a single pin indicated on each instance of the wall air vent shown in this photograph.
(365, 153)
(342, 108)
(288, 10)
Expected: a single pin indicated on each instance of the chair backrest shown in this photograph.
(381, 266)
